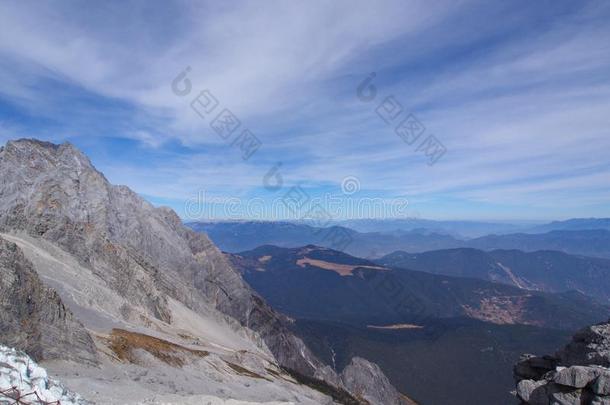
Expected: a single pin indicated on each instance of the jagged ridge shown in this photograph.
(53, 193)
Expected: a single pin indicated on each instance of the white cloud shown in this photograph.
(524, 115)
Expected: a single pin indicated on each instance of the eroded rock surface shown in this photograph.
(366, 380)
(144, 253)
(577, 374)
(55, 202)
(33, 318)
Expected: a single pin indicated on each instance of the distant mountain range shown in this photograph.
(594, 242)
(472, 229)
(543, 270)
(409, 321)
(459, 229)
(240, 236)
(576, 224)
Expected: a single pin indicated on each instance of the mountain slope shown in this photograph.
(447, 361)
(33, 317)
(416, 326)
(459, 262)
(195, 347)
(144, 253)
(544, 270)
(155, 296)
(348, 289)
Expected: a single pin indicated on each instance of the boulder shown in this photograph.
(576, 376)
(526, 388)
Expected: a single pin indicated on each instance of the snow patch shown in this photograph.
(21, 377)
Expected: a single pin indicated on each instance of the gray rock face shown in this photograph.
(366, 380)
(526, 389)
(578, 374)
(600, 401)
(327, 374)
(602, 385)
(567, 398)
(589, 346)
(33, 317)
(145, 254)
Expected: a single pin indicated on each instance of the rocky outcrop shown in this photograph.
(590, 346)
(33, 317)
(366, 380)
(577, 374)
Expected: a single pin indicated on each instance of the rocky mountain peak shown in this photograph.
(117, 260)
(53, 192)
(39, 154)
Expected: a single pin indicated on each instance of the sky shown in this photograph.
(506, 104)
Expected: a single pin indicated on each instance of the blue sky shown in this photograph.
(517, 92)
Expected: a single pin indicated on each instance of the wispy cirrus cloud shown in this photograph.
(517, 92)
